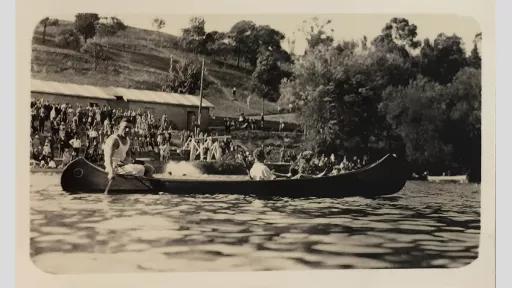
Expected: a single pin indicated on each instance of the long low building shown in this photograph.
(181, 109)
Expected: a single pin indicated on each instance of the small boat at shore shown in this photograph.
(453, 179)
(384, 177)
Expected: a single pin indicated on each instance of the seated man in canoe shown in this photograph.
(118, 155)
(260, 171)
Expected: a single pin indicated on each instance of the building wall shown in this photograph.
(175, 113)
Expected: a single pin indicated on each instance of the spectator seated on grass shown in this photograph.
(52, 164)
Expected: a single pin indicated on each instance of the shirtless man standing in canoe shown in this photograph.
(118, 155)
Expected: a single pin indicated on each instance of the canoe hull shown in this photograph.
(385, 177)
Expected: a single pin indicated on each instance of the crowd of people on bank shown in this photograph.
(244, 123)
(61, 132)
(66, 131)
(248, 123)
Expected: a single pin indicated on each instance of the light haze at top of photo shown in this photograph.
(346, 26)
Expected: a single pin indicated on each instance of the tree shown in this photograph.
(216, 43)
(364, 43)
(397, 34)
(68, 39)
(390, 68)
(474, 59)
(441, 60)
(265, 38)
(158, 24)
(417, 113)
(196, 27)
(193, 37)
(428, 61)
(85, 24)
(96, 52)
(241, 35)
(267, 76)
(46, 22)
(317, 33)
(184, 78)
(118, 24)
(109, 26)
(335, 95)
(439, 124)
(463, 127)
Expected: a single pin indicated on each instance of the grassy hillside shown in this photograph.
(140, 60)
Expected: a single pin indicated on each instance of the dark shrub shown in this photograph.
(68, 39)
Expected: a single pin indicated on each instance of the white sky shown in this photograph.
(346, 26)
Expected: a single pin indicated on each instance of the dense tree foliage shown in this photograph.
(109, 26)
(334, 93)
(417, 113)
(474, 59)
(439, 124)
(96, 52)
(267, 76)
(397, 34)
(85, 24)
(443, 58)
(193, 37)
(355, 99)
(317, 33)
(68, 39)
(244, 42)
(241, 36)
(184, 77)
(217, 44)
(463, 129)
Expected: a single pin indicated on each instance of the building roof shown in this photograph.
(70, 89)
(159, 97)
(110, 93)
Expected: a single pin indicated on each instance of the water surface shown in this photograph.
(424, 225)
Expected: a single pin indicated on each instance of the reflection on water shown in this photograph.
(424, 225)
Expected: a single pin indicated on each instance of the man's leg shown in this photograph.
(131, 169)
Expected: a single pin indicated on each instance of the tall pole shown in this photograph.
(262, 106)
(200, 96)
(170, 66)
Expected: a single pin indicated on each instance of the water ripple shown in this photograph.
(425, 225)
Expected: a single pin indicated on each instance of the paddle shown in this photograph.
(108, 186)
(289, 175)
(321, 174)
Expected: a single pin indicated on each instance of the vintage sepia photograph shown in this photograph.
(265, 142)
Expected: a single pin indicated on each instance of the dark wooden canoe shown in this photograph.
(384, 177)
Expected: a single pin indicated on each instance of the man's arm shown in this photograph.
(267, 174)
(129, 156)
(110, 145)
